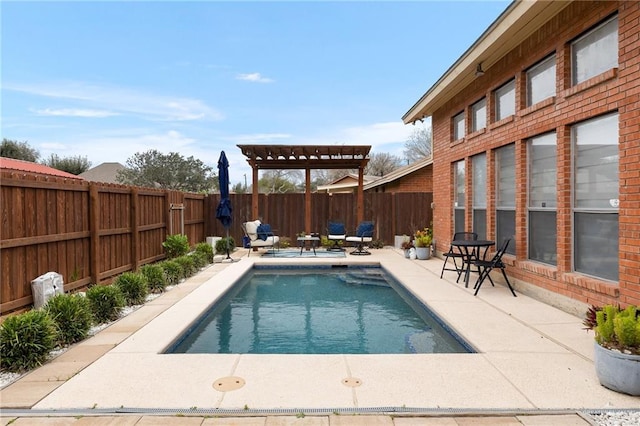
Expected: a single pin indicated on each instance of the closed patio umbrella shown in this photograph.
(224, 210)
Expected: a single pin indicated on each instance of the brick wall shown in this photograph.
(419, 181)
(614, 90)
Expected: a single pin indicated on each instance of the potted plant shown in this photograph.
(617, 346)
(422, 240)
(407, 245)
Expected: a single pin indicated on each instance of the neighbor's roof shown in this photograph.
(28, 166)
(399, 173)
(346, 182)
(513, 26)
(105, 172)
(306, 156)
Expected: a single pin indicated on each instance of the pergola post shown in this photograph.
(360, 197)
(254, 192)
(307, 202)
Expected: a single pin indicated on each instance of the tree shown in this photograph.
(74, 165)
(382, 163)
(172, 171)
(238, 188)
(279, 181)
(18, 150)
(418, 146)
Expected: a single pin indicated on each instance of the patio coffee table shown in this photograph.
(312, 240)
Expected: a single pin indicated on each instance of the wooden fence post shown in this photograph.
(94, 227)
(135, 234)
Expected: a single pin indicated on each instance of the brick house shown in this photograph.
(536, 137)
(415, 177)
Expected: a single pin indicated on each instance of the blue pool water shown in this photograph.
(352, 310)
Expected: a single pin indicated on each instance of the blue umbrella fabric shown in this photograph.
(223, 212)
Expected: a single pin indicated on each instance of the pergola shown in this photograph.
(307, 157)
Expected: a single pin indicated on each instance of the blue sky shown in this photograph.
(108, 79)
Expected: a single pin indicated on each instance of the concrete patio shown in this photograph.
(534, 366)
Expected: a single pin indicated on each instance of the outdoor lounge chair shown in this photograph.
(336, 232)
(364, 234)
(486, 266)
(455, 253)
(260, 235)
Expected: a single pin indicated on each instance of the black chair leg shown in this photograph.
(508, 283)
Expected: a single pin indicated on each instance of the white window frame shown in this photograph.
(505, 100)
(459, 126)
(479, 189)
(595, 52)
(596, 185)
(541, 80)
(479, 115)
(459, 194)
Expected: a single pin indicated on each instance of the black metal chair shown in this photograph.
(486, 266)
(455, 253)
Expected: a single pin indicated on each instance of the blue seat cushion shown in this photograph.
(264, 231)
(336, 228)
(365, 229)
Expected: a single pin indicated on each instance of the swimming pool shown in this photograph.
(328, 310)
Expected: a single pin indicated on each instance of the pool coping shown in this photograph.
(531, 354)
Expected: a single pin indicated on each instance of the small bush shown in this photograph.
(188, 265)
(221, 245)
(156, 279)
(376, 244)
(206, 249)
(26, 340)
(176, 245)
(106, 303)
(71, 314)
(133, 287)
(285, 242)
(199, 259)
(173, 271)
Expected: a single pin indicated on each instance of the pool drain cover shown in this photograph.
(352, 382)
(225, 384)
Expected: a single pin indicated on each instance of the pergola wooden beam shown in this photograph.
(307, 157)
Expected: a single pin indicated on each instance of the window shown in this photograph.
(458, 201)
(479, 115)
(479, 165)
(458, 126)
(505, 98)
(541, 81)
(595, 52)
(542, 199)
(595, 198)
(506, 196)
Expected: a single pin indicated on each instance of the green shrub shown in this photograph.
(221, 245)
(26, 340)
(199, 259)
(176, 245)
(133, 287)
(376, 244)
(71, 314)
(285, 242)
(173, 271)
(187, 264)
(156, 279)
(206, 249)
(619, 328)
(106, 303)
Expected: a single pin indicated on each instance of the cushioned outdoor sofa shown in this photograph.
(260, 235)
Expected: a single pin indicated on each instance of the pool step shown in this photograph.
(363, 278)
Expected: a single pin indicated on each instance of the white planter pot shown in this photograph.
(617, 371)
(423, 253)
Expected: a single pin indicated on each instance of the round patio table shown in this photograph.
(471, 250)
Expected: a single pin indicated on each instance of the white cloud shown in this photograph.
(74, 112)
(123, 100)
(254, 77)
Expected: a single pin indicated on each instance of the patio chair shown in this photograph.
(364, 234)
(486, 266)
(336, 233)
(455, 253)
(260, 235)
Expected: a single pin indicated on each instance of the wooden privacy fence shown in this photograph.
(91, 232)
(393, 213)
(88, 232)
